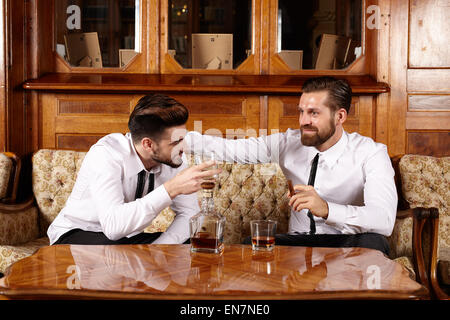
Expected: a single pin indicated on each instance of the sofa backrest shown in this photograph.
(5, 174)
(426, 183)
(243, 192)
(53, 177)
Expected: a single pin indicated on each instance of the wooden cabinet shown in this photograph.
(71, 107)
(77, 109)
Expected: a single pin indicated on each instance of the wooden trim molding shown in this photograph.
(134, 82)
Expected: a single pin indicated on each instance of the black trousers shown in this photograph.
(363, 240)
(78, 236)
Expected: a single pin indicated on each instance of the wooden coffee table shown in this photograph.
(173, 272)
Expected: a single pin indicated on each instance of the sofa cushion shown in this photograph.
(247, 192)
(6, 166)
(400, 241)
(406, 263)
(425, 183)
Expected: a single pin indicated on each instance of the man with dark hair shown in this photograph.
(125, 181)
(345, 194)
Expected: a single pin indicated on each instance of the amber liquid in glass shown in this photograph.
(202, 240)
(208, 185)
(263, 242)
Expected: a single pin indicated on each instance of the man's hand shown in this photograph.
(306, 197)
(188, 181)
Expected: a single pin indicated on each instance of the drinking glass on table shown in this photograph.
(207, 227)
(208, 182)
(263, 234)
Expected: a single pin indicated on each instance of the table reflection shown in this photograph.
(173, 269)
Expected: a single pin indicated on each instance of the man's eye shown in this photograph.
(314, 113)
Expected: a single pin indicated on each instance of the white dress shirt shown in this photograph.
(102, 199)
(354, 176)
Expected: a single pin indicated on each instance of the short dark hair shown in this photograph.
(153, 114)
(339, 91)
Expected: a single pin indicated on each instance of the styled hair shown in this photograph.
(339, 91)
(153, 114)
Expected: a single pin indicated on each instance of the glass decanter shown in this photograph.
(207, 227)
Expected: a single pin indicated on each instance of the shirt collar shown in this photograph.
(133, 163)
(331, 155)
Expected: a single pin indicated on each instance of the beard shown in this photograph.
(319, 137)
(174, 163)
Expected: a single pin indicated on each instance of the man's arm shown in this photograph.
(263, 149)
(380, 201)
(119, 219)
(184, 206)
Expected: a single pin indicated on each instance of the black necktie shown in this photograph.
(312, 177)
(141, 183)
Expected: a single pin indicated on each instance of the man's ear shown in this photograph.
(147, 144)
(341, 115)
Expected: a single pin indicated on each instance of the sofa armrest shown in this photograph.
(438, 292)
(18, 223)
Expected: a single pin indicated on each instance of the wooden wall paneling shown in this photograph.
(48, 108)
(283, 114)
(425, 142)
(151, 33)
(366, 119)
(15, 100)
(381, 73)
(221, 115)
(429, 34)
(78, 142)
(67, 119)
(398, 52)
(428, 120)
(429, 80)
(39, 47)
(420, 102)
(275, 112)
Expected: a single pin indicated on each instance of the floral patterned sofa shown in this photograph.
(426, 188)
(243, 193)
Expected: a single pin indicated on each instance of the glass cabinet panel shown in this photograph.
(97, 33)
(210, 34)
(319, 34)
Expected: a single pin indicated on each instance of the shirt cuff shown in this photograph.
(158, 200)
(336, 214)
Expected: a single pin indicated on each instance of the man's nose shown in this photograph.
(304, 119)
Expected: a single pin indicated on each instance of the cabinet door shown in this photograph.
(210, 36)
(77, 121)
(228, 116)
(99, 35)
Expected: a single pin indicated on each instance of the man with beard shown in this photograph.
(126, 180)
(345, 194)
